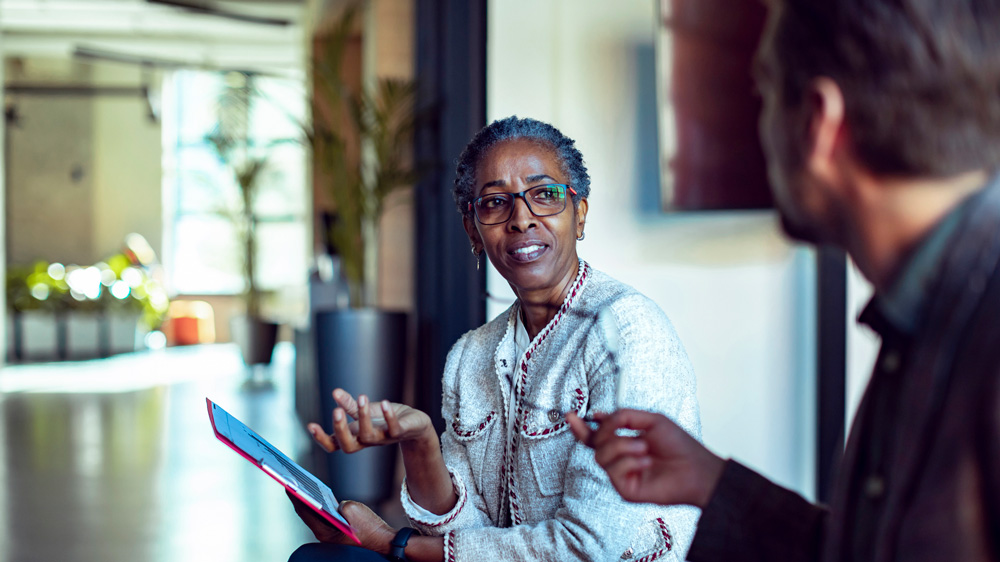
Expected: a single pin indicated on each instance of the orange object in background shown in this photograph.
(190, 323)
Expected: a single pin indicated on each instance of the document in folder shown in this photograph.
(254, 448)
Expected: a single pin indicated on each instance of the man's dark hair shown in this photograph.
(510, 128)
(920, 78)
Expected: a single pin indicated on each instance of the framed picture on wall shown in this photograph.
(710, 154)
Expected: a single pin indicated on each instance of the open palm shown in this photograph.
(375, 423)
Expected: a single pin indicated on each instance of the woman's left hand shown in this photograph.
(380, 423)
(374, 533)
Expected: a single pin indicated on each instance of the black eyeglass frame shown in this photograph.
(473, 205)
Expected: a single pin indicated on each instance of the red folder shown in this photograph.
(254, 448)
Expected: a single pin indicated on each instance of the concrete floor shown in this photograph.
(114, 460)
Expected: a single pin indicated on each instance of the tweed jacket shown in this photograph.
(942, 497)
(529, 490)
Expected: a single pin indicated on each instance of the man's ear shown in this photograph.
(473, 232)
(825, 103)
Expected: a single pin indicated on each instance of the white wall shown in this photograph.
(84, 170)
(126, 165)
(862, 343)
(740, 296)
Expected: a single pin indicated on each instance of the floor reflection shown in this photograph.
(124, 466)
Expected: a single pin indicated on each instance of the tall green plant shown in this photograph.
(361, 139)
(232, 141)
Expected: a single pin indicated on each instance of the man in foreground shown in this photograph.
(882, 129)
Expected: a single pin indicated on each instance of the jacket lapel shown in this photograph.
(972, 255)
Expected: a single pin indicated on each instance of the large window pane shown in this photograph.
(207, 256)
(203, 253)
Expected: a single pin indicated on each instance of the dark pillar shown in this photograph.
(451, 71)
(831, 274)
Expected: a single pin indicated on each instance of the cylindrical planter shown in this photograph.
(255, 337)
(362, 351)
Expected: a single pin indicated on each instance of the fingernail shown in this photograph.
(338, 415)
(362, 401)
(385, 405)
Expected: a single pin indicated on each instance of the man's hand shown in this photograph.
(379, 423)
(375, 534)
(662, 464)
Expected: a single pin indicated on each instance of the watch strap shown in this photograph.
(397, 546)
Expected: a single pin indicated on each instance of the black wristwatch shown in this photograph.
(397, 547)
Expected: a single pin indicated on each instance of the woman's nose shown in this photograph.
(521, 218)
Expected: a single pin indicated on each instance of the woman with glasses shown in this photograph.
(507, 480)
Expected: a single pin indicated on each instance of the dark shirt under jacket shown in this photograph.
(920, 478)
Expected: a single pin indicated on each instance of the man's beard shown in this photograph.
(798, 231)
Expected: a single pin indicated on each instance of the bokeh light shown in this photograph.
(40, 291)
(132, 276)
(120, 290)
(108, 276)
(156, 340)
(57, 271)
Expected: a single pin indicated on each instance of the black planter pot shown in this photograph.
(256, 339)
(362, 351)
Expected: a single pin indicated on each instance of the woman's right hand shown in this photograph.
(380, 423)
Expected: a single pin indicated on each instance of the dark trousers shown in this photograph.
(326, 552)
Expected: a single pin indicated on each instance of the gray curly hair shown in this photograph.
(510, 128)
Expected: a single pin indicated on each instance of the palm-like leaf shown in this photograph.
(361, 144)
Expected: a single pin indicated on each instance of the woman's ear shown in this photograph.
(470, 228)
(581, 216)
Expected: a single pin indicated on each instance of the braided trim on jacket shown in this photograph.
(581, 278)
(668, 539)
(459, 486)
(449, 546)
(580, 399)
(467, 434)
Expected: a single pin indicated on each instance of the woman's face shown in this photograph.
(532, 253)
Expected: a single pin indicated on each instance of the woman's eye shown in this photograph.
(493, 202)
(547, 193)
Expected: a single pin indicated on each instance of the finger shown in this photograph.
(322, 438)
(636, 419)
(391, 421)
(346, 402)
(346, 440)
(579, 428)
(627, 473)
(620, 447)
(367, 434)
(306, 513)
(622, 419)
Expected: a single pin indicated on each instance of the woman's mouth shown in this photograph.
(527, 253)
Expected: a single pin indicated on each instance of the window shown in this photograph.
(202, 249)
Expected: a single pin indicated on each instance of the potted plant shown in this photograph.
(255, 334)
(361, 141)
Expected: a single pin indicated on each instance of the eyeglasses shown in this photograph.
(542, 200)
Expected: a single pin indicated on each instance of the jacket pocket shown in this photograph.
(546, 435)
(653, 541)
(473, 431)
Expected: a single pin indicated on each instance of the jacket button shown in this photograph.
(554, 416)
(891, 361)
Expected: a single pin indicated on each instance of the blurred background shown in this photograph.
(250, 200)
